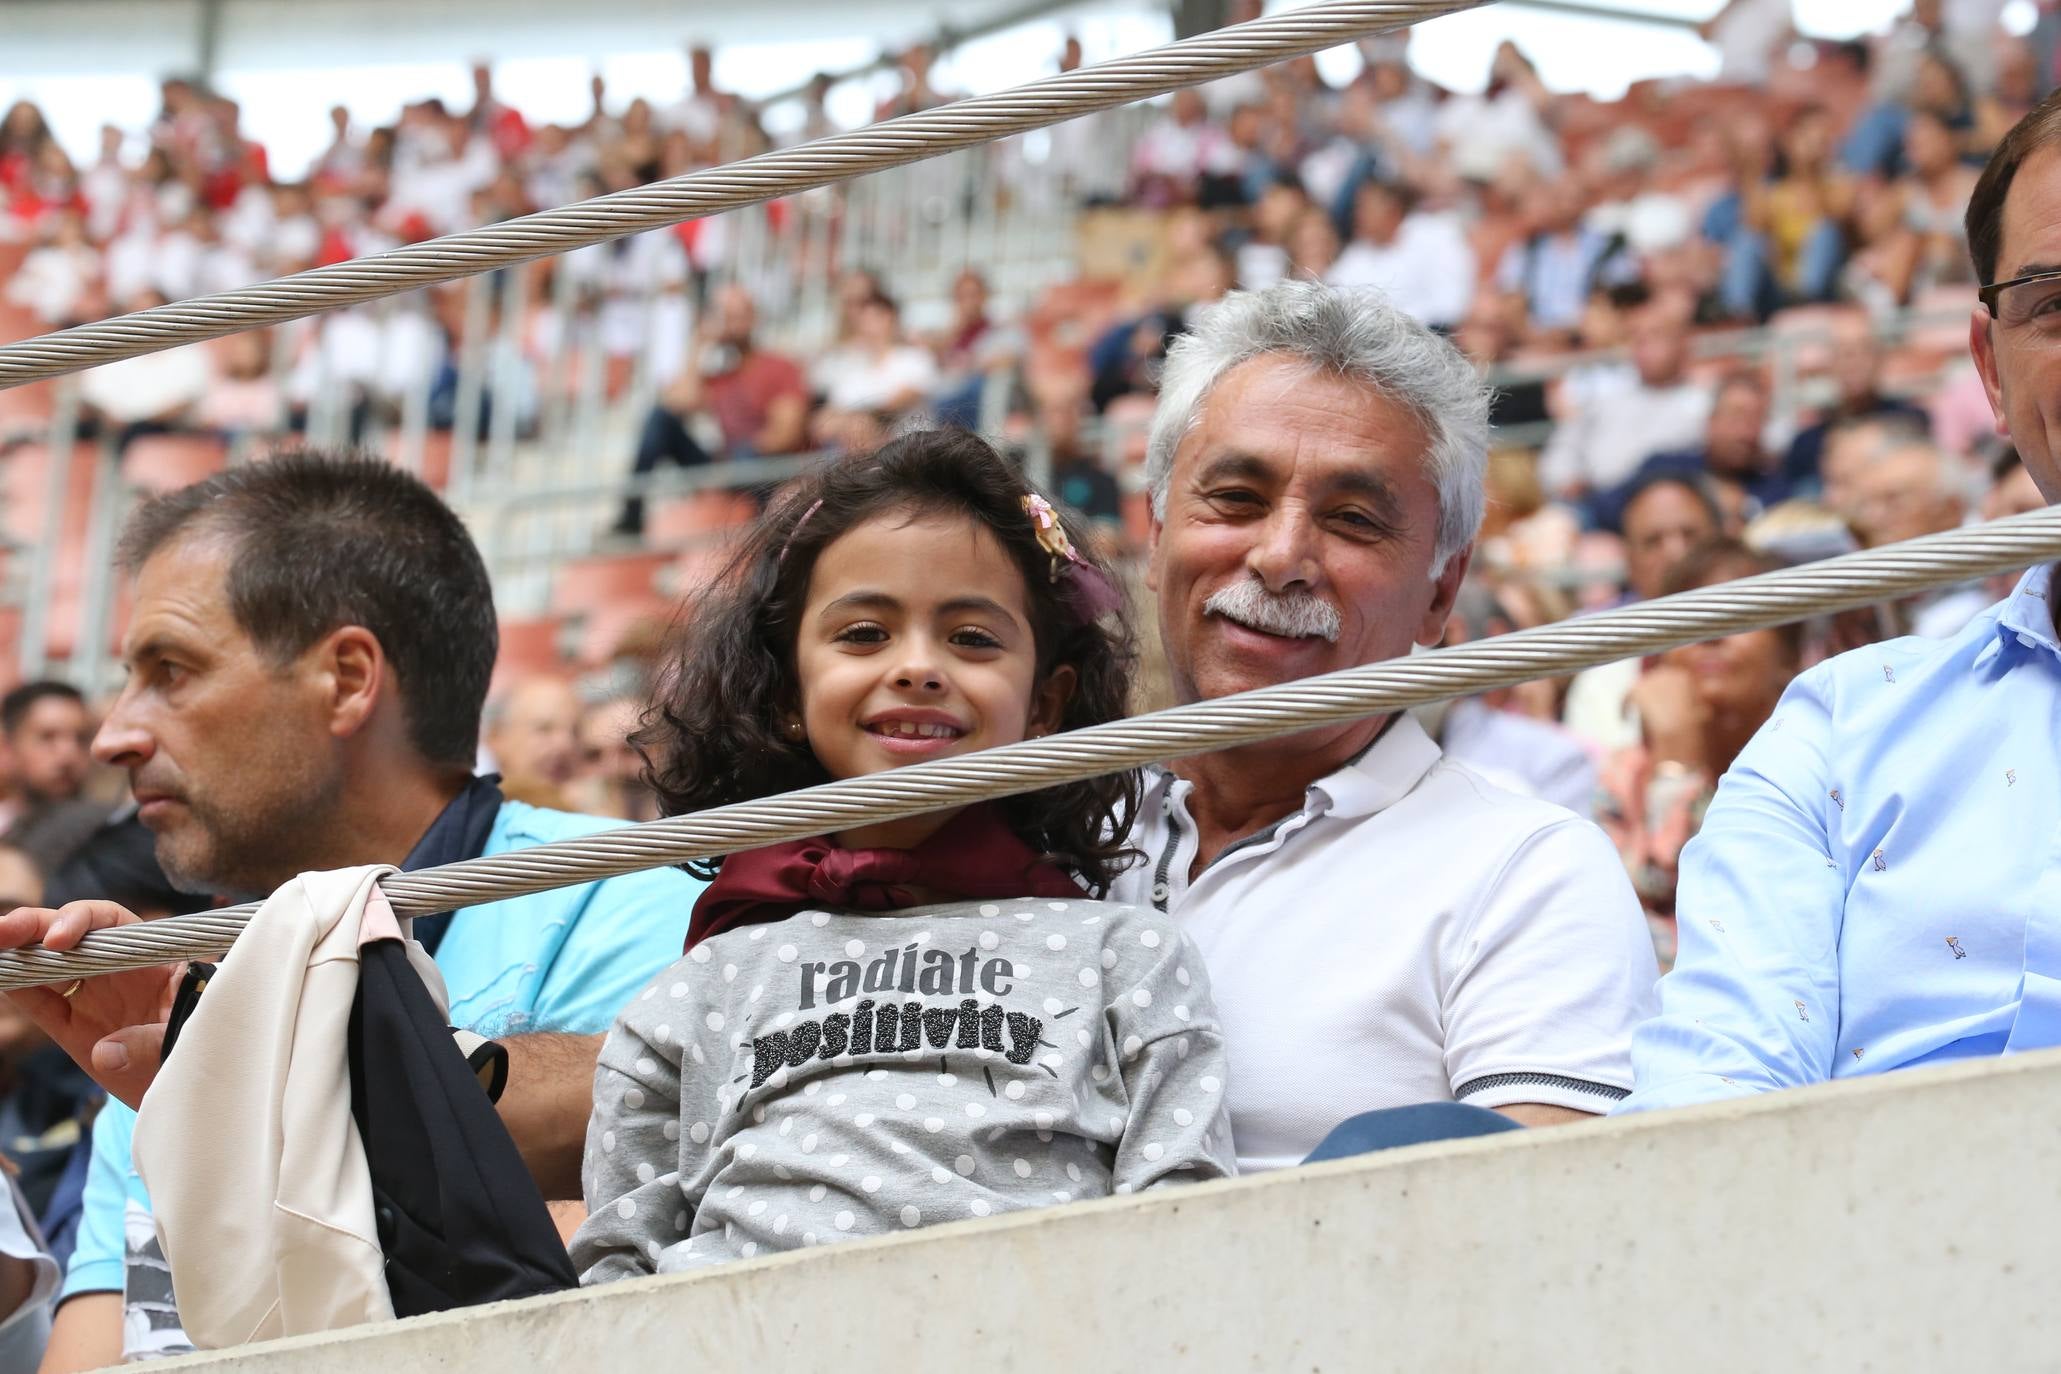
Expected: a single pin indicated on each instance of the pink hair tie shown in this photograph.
(788, 543)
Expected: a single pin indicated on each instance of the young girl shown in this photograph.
(927, 1019)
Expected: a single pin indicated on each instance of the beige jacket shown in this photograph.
(256, 1173)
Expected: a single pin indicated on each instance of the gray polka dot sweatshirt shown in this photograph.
(851, 1074)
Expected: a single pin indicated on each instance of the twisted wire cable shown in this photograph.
(1547, 651)
(911, 138)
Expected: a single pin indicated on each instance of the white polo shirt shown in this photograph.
(1413, 934)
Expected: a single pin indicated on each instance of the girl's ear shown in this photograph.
(1048, 704)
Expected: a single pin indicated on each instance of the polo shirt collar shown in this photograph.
(1376, 778)
(1383, 774)
(2027, 616)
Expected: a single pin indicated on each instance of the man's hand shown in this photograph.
(113, 1026)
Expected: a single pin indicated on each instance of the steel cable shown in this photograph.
(1547, 651)
(840, 157)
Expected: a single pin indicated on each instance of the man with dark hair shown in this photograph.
(1869, 889)
(758, 400)
(308, 657)
(46, 732)
(1857, 371)
(1732, 458)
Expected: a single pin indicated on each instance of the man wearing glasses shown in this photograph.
(1876, 884)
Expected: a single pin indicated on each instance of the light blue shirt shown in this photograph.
(565, 960)
(1878, 882)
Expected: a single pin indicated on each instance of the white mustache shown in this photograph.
(1292, 615)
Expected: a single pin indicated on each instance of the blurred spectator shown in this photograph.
(242, 397)
(531, 729)
(1488, 338)
(1936, 192)
(1905, 490)
(1076, 476)
(1697, 708)
(55, 279)
(1664, 517)
(1125, 360)
(1527, 755)
(917, 93)
(1615, 430)
(46, 1101)
(699, 113)
(21, 884)
(48, 736)
(1312, 245)
(1732, 456)
(1856, 368)
(1746, 34)
(1175, 155)
(501, 125)
(1420, 259)
(2011, 492)
(1479, 132)
(152, 393)
(751, 401)
(608, 778)
(1850, 446)
(1791, 241)
(971, 348)
(1554, 266)
(879, 373)
(1263, 257)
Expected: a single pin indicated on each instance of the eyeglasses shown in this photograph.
(2033, 299)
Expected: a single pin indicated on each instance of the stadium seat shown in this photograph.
(530, 647)
(25, 410)
(589, 584)
(678, 520)
(166, 462)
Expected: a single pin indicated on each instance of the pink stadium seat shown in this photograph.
(589, 584)
(166, 462)
(529, 646)
(25, 410)
(681, 519)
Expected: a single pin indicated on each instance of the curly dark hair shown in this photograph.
(713, 735)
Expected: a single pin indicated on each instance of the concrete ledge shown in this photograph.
(1906, 1222)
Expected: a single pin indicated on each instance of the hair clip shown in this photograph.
(1084, 589)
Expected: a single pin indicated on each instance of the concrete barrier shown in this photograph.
(1904, 1222)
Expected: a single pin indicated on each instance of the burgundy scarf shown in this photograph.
(975, 855)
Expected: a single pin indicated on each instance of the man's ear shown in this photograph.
(1152, 535)
(352, 666)
(1982, 344)
(1445, 589)
(1048, 705)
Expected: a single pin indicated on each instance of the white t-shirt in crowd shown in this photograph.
(853, 381)
(1481, 131)
(149, 387)
(1604, 442)
(1428, 271)
(1413, 934)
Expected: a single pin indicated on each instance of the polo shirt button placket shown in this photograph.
(1160, 892)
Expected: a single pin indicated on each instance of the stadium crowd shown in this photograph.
(1615, 271)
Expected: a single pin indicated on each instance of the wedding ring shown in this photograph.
(77, 983)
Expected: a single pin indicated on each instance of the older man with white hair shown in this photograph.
(1383, 927)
